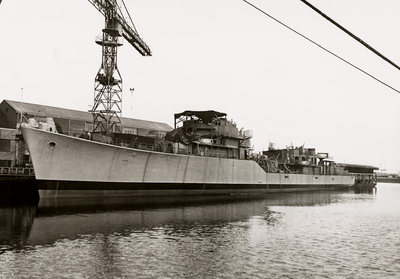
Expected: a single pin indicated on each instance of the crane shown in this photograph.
(107, 107)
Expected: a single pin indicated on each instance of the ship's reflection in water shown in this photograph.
(299, 234)
(52, 219)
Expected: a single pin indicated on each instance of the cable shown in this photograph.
(337, 56)
(351, 34)
(129, 16)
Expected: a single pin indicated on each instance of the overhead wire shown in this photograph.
(315, 43)
(350, 34)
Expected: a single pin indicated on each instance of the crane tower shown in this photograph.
(107, 105)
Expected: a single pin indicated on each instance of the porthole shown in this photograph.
(52, 144)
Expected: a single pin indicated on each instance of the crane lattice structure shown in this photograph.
(107, 106)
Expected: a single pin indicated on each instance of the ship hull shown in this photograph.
(67, 166)
(65, 189)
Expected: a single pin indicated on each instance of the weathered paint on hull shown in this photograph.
(70, 166)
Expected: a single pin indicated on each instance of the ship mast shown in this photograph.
(107, 105)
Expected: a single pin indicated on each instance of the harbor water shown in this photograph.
(341, 234)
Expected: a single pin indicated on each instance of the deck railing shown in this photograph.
(133, 144)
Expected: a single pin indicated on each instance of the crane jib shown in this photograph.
(104, 7)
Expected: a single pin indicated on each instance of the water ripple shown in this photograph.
(320, 235)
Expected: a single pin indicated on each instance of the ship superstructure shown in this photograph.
(299, 160)
(210, 133)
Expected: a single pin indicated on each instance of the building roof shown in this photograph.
(48, 111)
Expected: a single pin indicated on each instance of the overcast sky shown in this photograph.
(224, 55)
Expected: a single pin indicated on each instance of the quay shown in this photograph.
(17, 184)
(388, 177)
